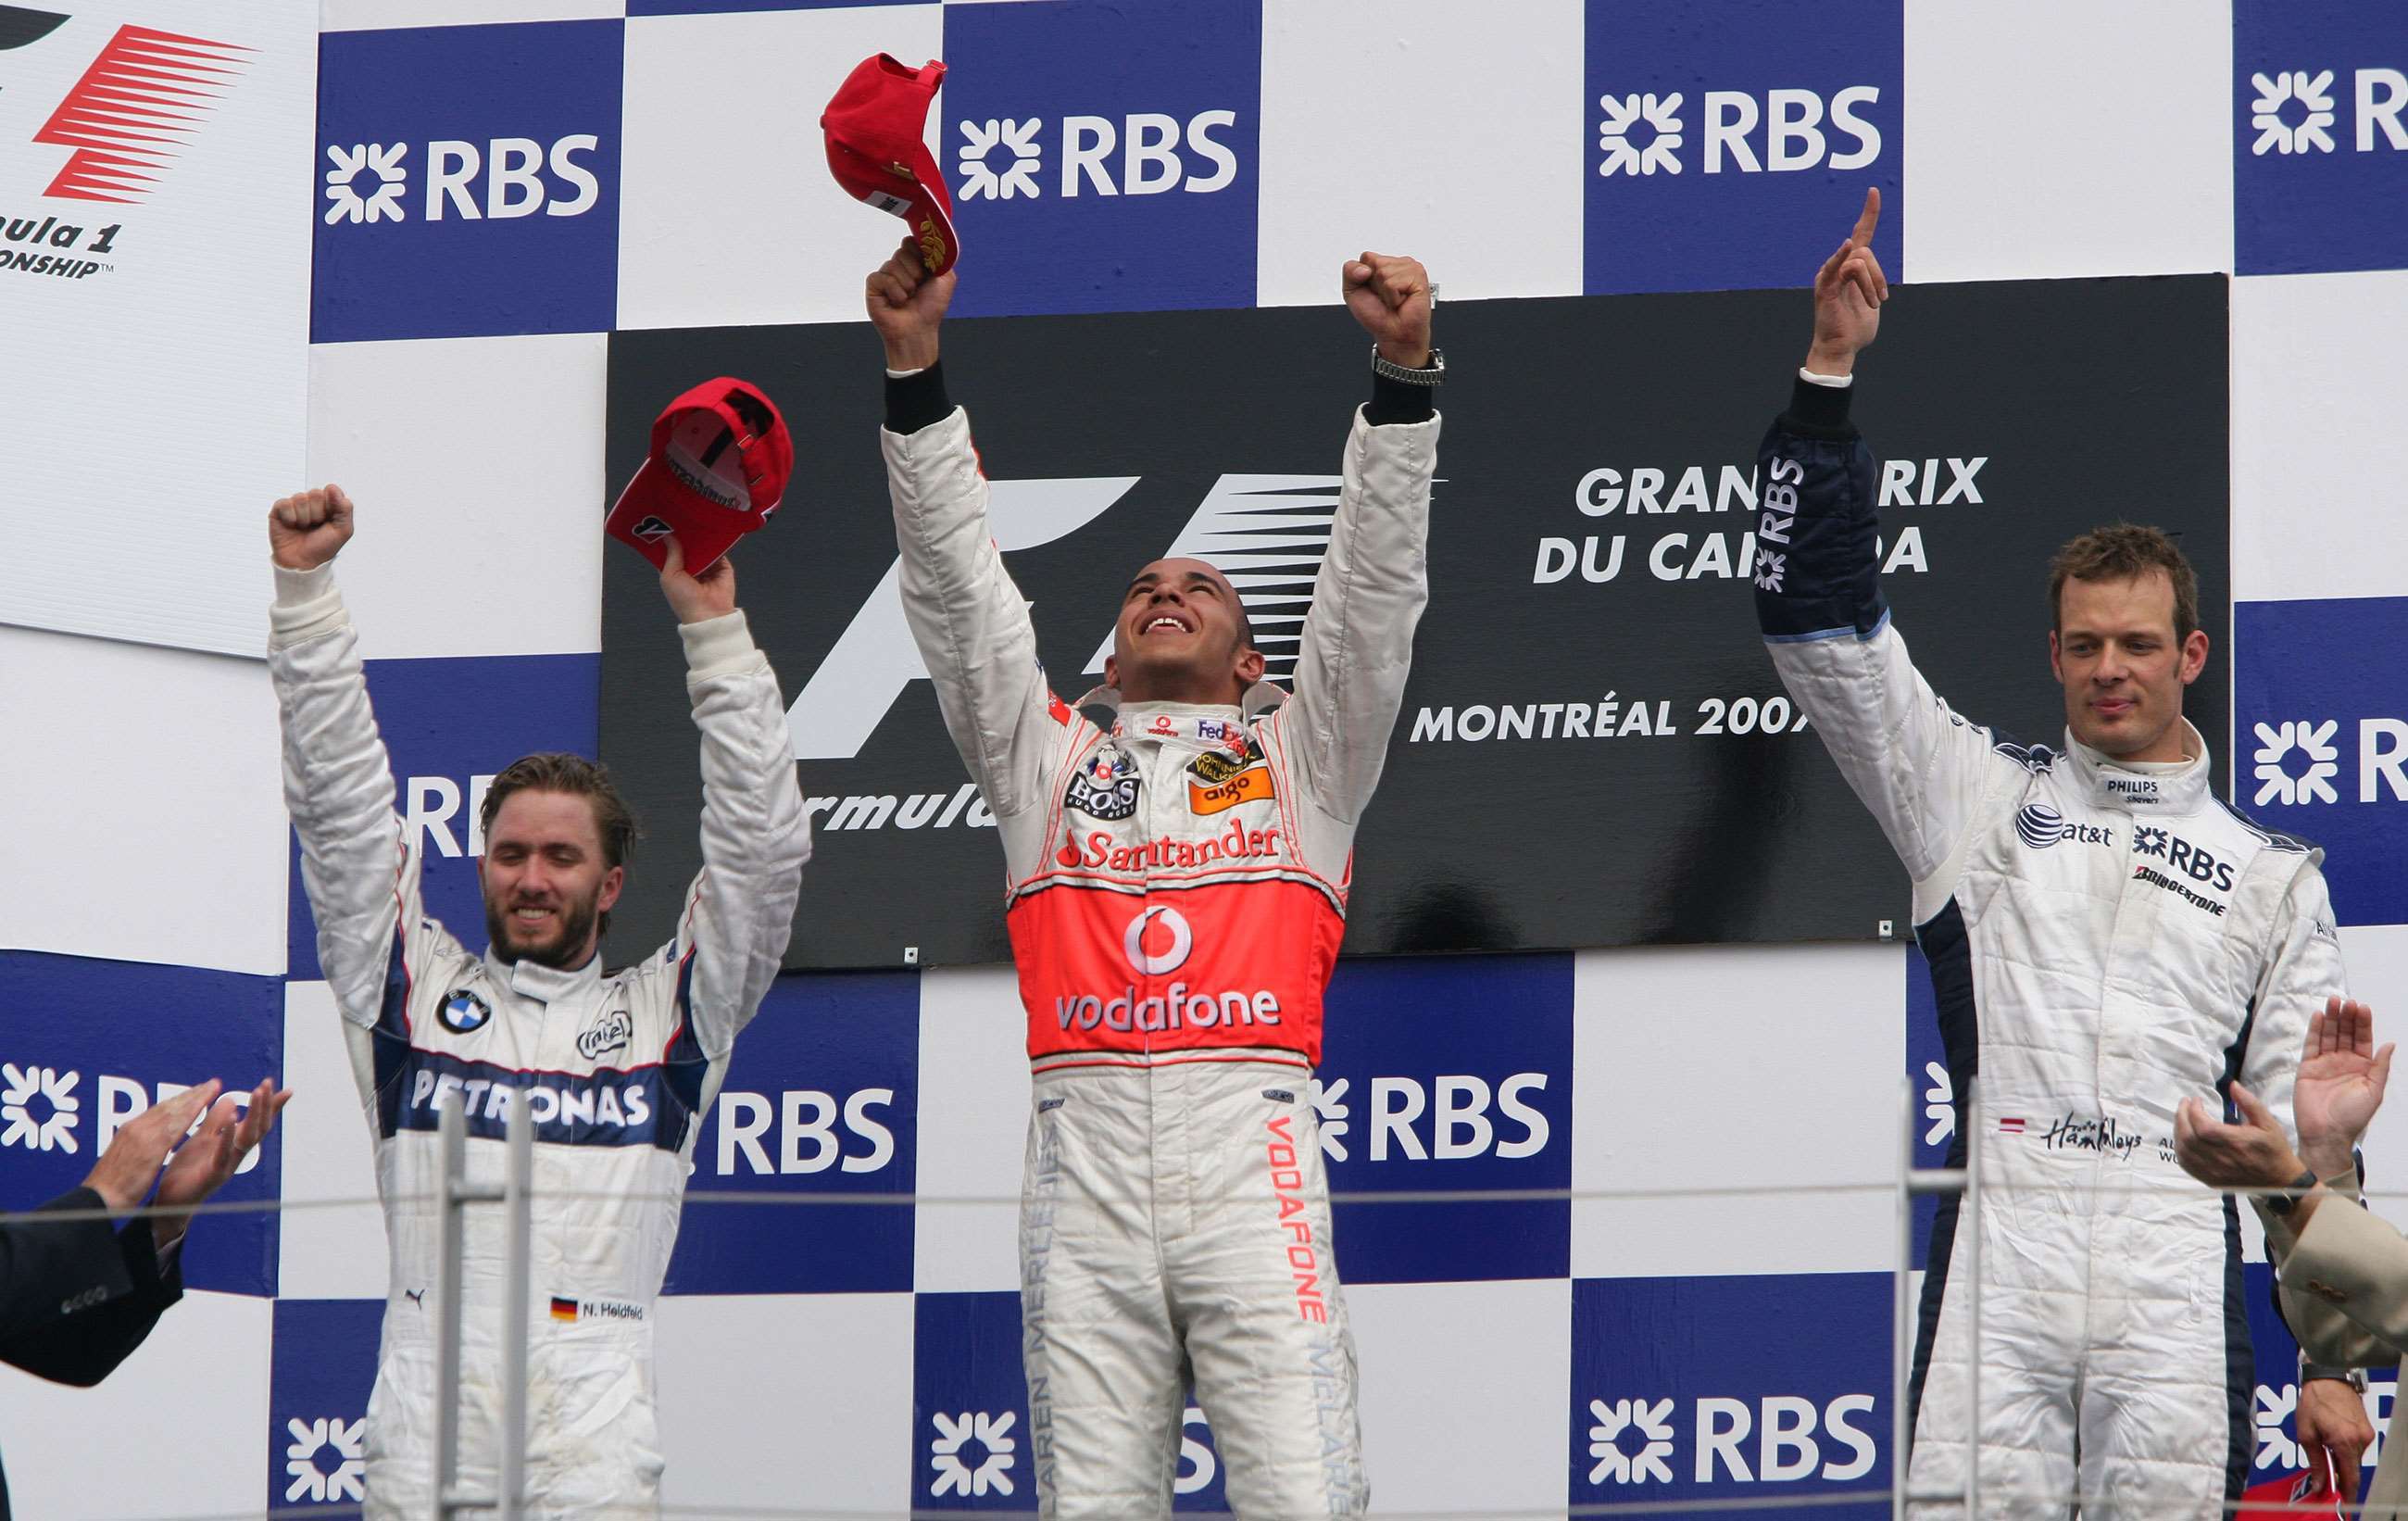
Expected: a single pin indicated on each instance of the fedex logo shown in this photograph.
(467, 180)
(1714, 135)
(1082, 126)
(2320, 135)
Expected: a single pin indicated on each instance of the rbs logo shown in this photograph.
(499, 179)
(1738, 133)
(1458, 1124)
(1141, 153)
(806, 1139)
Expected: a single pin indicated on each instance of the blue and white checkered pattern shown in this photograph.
(529, 175)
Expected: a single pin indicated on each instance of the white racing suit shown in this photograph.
(619, 1071)
(1176, 891)
(2105, 940)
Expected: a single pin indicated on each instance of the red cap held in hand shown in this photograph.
(719, 465)
(876, 150)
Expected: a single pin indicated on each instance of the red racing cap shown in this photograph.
(877, 152)
(719, 465)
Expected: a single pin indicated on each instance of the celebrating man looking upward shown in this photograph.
(1175, 887)
(617, 1069)
(2107, 938)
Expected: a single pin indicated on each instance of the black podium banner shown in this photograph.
(1594, 748)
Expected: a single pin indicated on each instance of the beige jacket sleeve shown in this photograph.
(2344, 1280)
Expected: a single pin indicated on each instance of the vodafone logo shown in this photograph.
(1182, 939)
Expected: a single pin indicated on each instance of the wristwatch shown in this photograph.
(2354, 1377)
(1428, 374)
(2282, 1204)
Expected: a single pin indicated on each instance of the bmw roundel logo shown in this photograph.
(465, 1014)
(2040, 824)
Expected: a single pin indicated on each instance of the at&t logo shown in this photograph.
(500, 178)
(1784, 132)
(1141, 153)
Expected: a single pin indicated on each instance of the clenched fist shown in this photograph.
(308, 528)
(906, 303)
(1390, 296)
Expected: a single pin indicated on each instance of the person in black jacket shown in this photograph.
(76, 1294)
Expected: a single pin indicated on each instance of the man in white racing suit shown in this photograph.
(1176, 881)
(617, 1069)
(2106, 937)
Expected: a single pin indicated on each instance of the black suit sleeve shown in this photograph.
(75, 1298)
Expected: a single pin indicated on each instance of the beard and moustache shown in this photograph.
(563, 952)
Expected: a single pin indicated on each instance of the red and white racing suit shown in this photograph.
(1176, 893)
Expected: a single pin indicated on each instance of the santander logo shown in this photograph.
(1152, 964)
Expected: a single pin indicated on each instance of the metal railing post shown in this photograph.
(454, 1193)
(1902, 1330)
(1969, 1219)
(451, 1135)
(517, 1275)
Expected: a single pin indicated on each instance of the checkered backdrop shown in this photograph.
(573, 169)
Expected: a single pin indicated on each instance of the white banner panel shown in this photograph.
(154, 284)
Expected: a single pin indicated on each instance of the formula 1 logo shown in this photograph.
(1276, 527)
(130, 115)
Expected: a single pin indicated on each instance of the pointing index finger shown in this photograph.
(1867, 218)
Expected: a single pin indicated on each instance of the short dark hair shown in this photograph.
(2124, 551)
(558, 770)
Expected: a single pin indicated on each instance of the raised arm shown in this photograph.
(1919, 767)
(1358, 639)
(755, 835)
(357, 865)
(969, 619)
